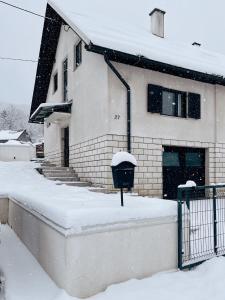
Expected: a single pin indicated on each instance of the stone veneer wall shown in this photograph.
(55, 157)
(91, 160)
(217, 163)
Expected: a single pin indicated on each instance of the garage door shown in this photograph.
(181, 165)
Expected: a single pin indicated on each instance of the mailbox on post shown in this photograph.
(123, 165)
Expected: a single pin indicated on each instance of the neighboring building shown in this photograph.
(105, 85)
(14, 135)
(17, 151)
(39, 149)
(16, 146)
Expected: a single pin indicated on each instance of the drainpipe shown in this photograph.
(128, 101)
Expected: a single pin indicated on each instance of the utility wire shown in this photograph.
(18, 59)
(36, 14)
(27, 11)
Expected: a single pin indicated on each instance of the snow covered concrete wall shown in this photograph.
(16, 152)
(4, 209)
(86, 263)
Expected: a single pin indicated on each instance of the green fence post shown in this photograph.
(215, 221)
(179, 221)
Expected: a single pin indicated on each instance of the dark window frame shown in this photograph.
(65, 80)
(155, 102)
(183, 104)
(77, 54)
(55, 82)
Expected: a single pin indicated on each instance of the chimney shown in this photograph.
(157, 22)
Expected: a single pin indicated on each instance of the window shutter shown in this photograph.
(154, 98)
(194, 106)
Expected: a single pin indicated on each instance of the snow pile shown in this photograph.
(26, 280)
(189, 183)
(205, 283)
(121, 156)
(74, 207)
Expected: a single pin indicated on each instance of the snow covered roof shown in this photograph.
(6, 135)
(44, 110)
(128, 30)
(121, 29)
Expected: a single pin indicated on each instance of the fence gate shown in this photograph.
(201, 224)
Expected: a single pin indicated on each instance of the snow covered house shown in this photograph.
(14, 135)
(16, 146)
(107, 82)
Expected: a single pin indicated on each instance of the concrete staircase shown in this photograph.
(62, 175)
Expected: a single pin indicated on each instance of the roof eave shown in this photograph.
(143, 62)
(43, 112)
(45, 65)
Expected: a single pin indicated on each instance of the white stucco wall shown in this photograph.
(145, 124)
(220, 112)
(17, 152)
(87, 88)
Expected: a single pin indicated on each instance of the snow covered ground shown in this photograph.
(74, 207)
(26, 280)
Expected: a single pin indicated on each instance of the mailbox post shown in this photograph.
(123, 165)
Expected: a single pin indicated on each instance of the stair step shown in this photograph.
(45, 165)
(57, 174)
(63, 179)
(75, 183)
(57, 169)
(101, 190)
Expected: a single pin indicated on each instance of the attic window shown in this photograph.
(55, 82)
(77, 55)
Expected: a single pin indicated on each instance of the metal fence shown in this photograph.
(201, 224)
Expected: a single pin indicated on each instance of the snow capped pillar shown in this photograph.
(157, 22)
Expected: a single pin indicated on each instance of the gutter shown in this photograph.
(149, 64)
(128, 100)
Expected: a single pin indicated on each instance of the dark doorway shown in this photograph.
(181, 165)
(66, 146)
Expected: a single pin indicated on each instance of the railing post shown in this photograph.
(214, 221)
(179, 227)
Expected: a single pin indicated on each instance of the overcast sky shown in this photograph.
(20, 34)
